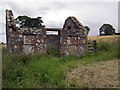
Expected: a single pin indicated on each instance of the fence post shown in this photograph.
(94, 44)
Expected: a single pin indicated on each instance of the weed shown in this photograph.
(36, 71)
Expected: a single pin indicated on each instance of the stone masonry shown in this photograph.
(71, 39)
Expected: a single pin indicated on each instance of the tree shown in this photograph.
(87, 29)
(25, 21)
(106, 29)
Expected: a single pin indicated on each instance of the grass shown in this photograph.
(38, 71)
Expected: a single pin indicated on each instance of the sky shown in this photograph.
(93, 14)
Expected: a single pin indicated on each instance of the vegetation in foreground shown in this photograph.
(37, 71)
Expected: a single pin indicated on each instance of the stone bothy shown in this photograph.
(71, 39)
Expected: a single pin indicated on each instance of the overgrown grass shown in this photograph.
(36, 71)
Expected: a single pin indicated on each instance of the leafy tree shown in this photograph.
(25, 21)
(106, 29)
(87, 29)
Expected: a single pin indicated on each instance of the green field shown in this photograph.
(37, 71)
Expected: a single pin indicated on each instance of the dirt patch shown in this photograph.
(96, 75)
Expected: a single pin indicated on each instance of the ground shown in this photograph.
(96, 75)
(94, 70)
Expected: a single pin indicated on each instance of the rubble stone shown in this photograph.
(71, 39)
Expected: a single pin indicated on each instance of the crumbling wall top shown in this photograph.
(73, 19)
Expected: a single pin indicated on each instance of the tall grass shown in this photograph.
(36, 71)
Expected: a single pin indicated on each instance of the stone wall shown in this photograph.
(71, 39)
(24, 40)
(12, 35)
(34, 40)
(53, 41)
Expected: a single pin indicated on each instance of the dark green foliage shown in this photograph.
(25, 21)
(107, 29)
(87, 29)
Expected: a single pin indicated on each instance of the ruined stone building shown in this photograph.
(71, 39)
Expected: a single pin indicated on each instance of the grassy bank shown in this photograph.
(35, 71)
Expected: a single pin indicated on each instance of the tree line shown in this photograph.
(25, 21)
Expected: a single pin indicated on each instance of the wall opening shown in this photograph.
(69, 27)
(52, 32)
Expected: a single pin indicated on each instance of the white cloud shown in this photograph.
(60, 1)
(54, 13)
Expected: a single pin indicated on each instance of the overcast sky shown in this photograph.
(54, 12)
